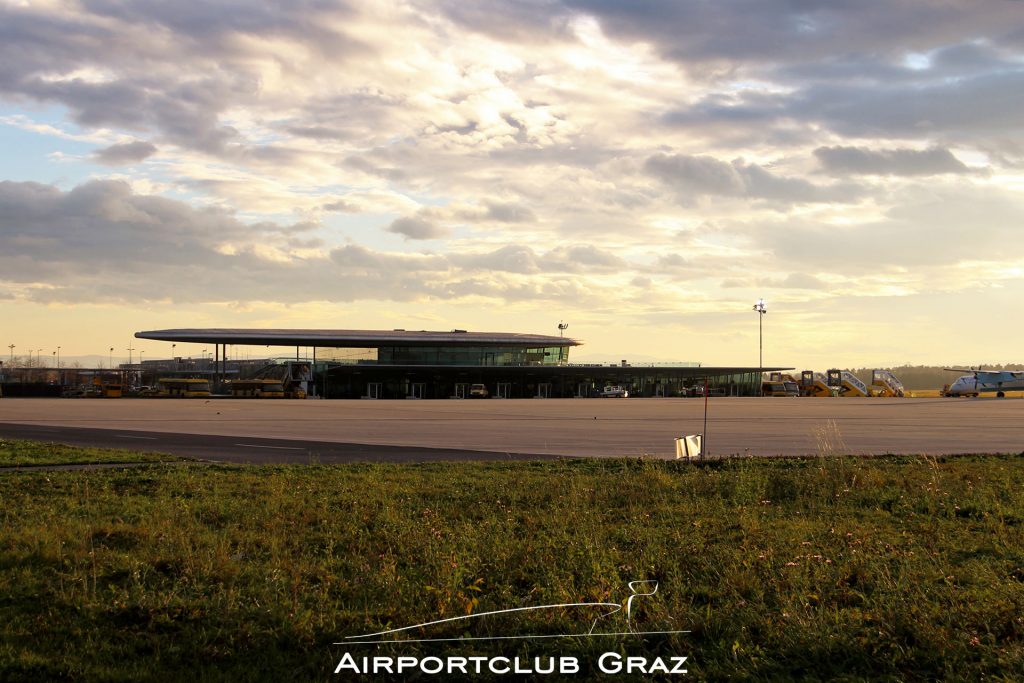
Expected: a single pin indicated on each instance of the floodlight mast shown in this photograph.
(761, 309)
(562, 327)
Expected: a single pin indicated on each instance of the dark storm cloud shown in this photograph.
(905, 162)
(125, 153)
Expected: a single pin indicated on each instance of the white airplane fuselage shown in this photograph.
(986, 382)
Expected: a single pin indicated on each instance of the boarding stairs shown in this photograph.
(814, 384)
(847, 383)
(887, 384)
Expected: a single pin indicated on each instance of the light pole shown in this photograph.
(11, 347)
(110, 364)
(761, 309)
(562, 327)
(58, 358)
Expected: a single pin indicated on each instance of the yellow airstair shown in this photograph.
(815, 384)
(884, 383)
(847, 383)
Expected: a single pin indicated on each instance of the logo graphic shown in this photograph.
(637, 589)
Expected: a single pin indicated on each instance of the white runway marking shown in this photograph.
(278, 448)
(147, 438)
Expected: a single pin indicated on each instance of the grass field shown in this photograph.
(859, 569)
(25, 453)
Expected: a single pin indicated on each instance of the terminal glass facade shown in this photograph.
(489, 356)
(426, 382)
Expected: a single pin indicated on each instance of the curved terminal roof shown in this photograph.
(355, 338)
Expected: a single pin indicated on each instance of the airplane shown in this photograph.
(979, 381)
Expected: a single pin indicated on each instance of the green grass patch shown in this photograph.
(15, 453)
(816, 569)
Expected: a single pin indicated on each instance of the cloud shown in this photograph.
(562, 149)
(802, 281)
(696, 176)
(510, 213)
(340, 205)
(932, 227)
(417, 228)
(972, 107)
(58, 246)
(125, 153)
(517, 258)
(905, 162)
(715, 38)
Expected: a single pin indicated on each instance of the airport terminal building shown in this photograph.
(395, 364)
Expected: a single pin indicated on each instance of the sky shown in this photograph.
(642, 170)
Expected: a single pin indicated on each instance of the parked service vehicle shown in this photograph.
(175, 387)
(780, 389)
(614, 391)
(478, 391)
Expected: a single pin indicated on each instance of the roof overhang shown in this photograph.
(353, 338)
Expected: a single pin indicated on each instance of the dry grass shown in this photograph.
(821, 568)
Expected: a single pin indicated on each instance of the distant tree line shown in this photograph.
(929, 376)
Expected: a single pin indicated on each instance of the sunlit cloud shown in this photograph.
(657, 161)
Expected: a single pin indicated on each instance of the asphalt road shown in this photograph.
(345, 431)
(246, 450)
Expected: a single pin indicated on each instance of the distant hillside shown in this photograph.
(929, 376)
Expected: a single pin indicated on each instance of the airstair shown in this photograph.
(847, 383)
(884, 383)
(814, 384)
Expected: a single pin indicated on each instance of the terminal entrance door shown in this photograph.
(659, 390)
(461, 390)
(372, 390)
(504, 389)
(543, 390)
(417, 390)
(583, 390)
